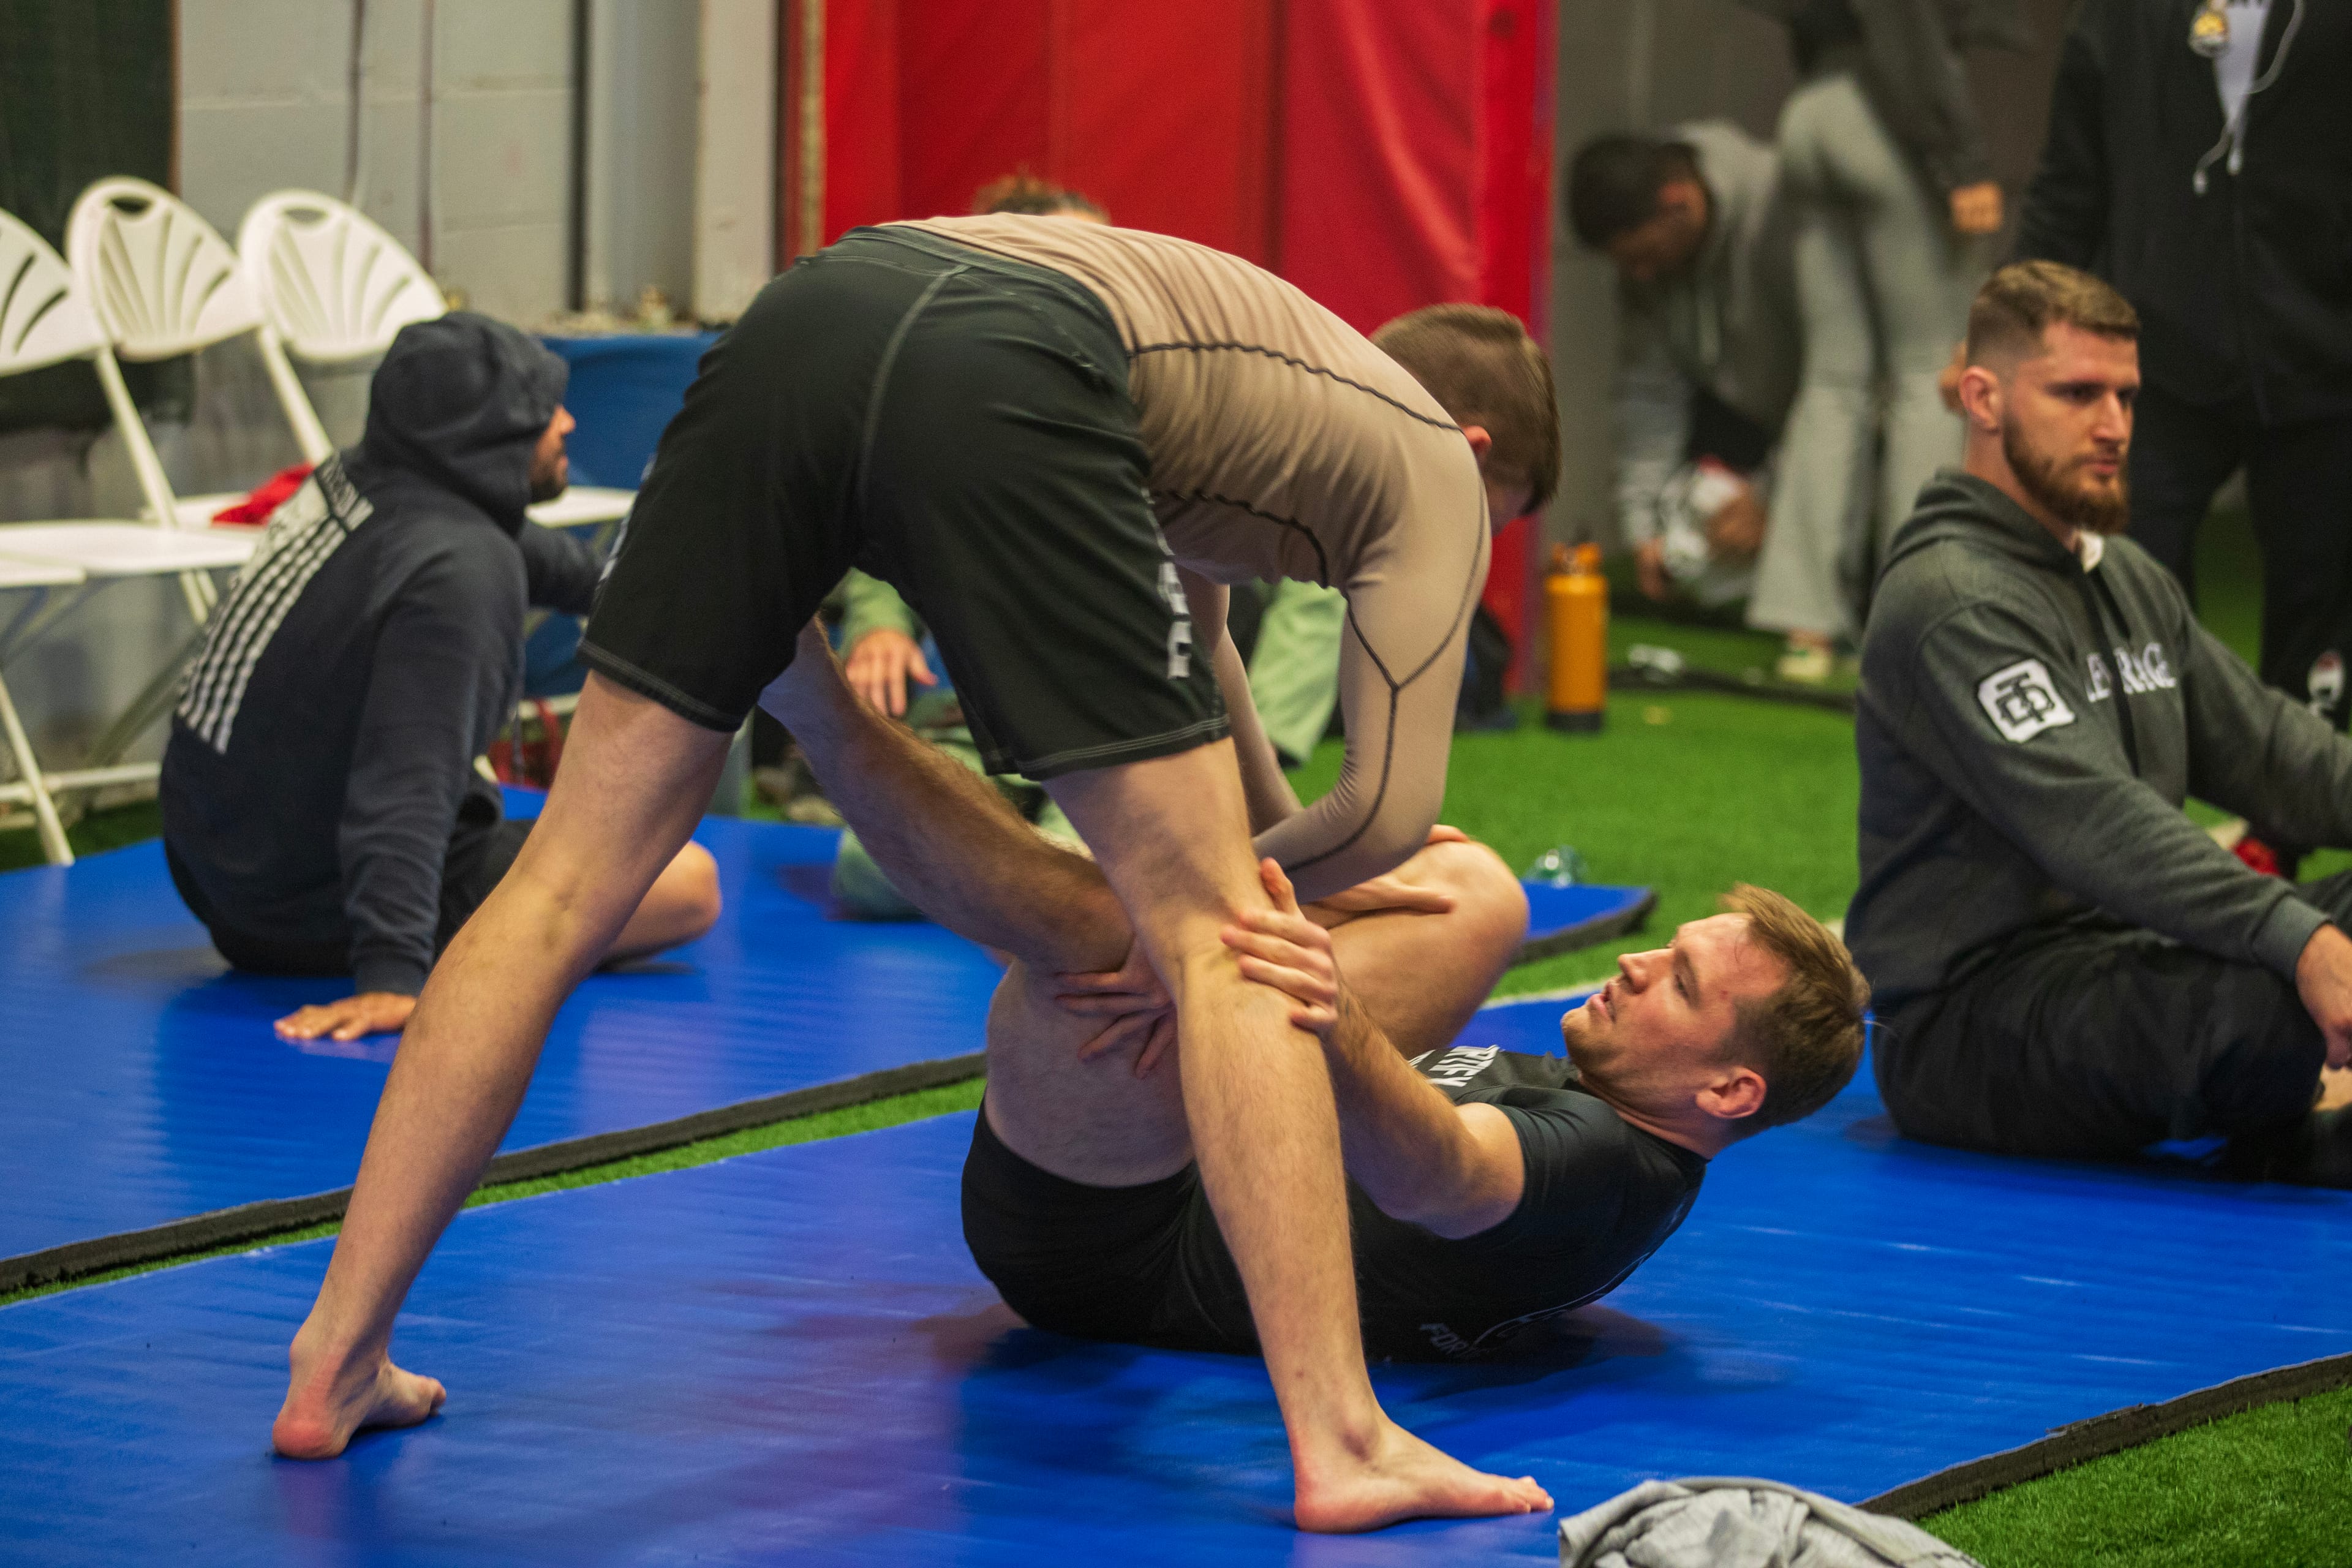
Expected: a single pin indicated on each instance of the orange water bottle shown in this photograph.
(1576, 600)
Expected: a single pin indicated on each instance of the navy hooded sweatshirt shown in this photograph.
(323, 746)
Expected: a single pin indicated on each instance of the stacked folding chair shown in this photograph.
(335, 288)
(46, 318)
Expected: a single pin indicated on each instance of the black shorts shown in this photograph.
(1139, 1265)
(959, 425)
(479, 855)
(2089, 1041)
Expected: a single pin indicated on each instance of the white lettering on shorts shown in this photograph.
(2021, 700)
(1180, 629)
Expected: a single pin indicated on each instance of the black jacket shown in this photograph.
(2245, 292)
(324, 744)
(2027, 726)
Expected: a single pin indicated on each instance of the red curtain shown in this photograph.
(1382, 154)
(1162, 113)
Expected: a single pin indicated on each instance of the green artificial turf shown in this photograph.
(867, 1117)
(2268, 1488)
(1686, 794)
(100, 830)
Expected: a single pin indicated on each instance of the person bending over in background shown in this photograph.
(1708, 344)
(2065, 964)
(1053, 438)
(1890, 180)
(1488, 1191)
(2200, 160)
(321, 810)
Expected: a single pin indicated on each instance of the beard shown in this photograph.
(2084, 503)
(549, 481)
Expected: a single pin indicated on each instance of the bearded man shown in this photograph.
(2062, 963)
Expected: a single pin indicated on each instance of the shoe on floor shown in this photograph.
(1809, 663)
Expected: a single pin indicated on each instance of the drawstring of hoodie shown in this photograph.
(2099, 632)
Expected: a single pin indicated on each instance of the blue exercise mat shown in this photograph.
(1561, 920)
(789, 1358)
(145, 1083)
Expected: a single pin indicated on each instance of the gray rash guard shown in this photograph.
(2029, 726)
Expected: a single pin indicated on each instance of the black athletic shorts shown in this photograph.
(1139, 1265)
(2092, 1039)
(479, 855)
(959, 425)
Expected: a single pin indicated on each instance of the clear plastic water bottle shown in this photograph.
(1559, 866)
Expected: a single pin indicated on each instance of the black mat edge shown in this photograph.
(221, 1227)
(1587, 934)
(2100, 1435)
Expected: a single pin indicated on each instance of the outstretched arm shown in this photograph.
(941, 833)
(634, 780)
(1409, 609)
(1455, 1169)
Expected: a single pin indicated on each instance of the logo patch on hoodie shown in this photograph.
(2022, 700)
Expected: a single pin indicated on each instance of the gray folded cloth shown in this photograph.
(1715, 1521)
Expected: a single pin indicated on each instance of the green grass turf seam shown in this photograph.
(272, 1220)
(2112, 1433)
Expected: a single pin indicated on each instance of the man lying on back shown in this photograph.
(1488, 1191)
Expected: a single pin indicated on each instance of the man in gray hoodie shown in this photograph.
(2062, 963)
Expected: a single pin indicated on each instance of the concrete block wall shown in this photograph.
(265, 104)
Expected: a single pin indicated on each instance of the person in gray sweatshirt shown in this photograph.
(1708, 348)
(2061, 961)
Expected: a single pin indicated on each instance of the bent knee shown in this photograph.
(1485, 890)
(689, 887)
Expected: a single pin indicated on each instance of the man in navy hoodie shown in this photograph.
(323, 813)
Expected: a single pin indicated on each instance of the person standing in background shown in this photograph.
(1886, 163)
(2199, 161)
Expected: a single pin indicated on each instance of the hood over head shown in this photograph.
(462, 400)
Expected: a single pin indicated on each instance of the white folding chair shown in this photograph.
(161, 283)
(333, 287)
(31, 787)
(45, 321)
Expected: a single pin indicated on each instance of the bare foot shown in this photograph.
(1405, 1477)
(324, 1407)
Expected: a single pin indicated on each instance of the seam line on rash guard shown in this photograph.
(882, 375)
(647, 684)
(1296, 364)
(1396, 698)
(1322, 562)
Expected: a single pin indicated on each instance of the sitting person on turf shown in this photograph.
(321, 811)
(2065, 963)
(1488, 1191)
